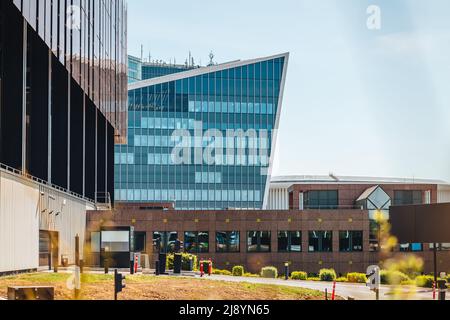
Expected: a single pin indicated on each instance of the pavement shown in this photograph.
(344, 290)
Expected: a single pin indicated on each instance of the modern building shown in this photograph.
(202, 138)
(63, 78)
(140, 69)
(332, 227)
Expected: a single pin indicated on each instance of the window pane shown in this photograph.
(265, 241)
(296, 241)
(283, 243)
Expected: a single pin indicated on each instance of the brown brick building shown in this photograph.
(328, 226)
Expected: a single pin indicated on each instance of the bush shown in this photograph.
(355, 277)
(238, 271)
(185, 261)
(299, 275)
(251, 275)
(269, 272)
(221, 272)
(327, 275)
(314, 279)
(393, 277)
(342, 279)
(425, 281)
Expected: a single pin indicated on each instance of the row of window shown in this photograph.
(232, 142)
(261, 241)
(188, 195)
(329, 199)
(231, 107)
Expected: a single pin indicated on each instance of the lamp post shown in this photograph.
(286, 271)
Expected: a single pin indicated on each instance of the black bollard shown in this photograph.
(81, 266)
(106, 266)
(131, 267)
(157, 268)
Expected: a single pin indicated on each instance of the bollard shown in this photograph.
(157, 268)
(106, 262)
(326, 294)
(132, 267)
(210, 268)
(333, 295)
(434, 290)
(442, 286)
(81, 265)
(136, 266)
(201, 268)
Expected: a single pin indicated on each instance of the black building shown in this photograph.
(63, 91)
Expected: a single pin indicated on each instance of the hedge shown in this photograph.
(355, 277)
(342, 279)
(269, 272)
(238, 271)
(185, 261)
(299, 275)
(251, 275)
(393, 277)
(327, 275)
(221, 272)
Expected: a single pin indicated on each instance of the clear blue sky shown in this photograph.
(357, 101)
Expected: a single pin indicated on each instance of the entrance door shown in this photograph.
(48, 248)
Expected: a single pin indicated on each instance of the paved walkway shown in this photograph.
(344, 290)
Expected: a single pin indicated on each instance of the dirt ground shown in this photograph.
(101, 287)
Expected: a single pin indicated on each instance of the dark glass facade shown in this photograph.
(235, 106)
(150, 71)
(63, 91)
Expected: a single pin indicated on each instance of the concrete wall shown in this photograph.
(27, 207)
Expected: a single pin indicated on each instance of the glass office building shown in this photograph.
(63, 91)
(204, 138)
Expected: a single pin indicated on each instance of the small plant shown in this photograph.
(355, 277)
(314, 279)
(238, 271)
(251, 275)
(425, 281)
(327, 275)
(269, 272)
(185, 261)
(221, 272)
(299, 275)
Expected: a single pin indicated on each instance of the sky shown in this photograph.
(357, 102)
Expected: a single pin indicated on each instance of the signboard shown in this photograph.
(421, 223)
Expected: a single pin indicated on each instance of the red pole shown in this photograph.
(201, 268)
(434, 290)
(136, 264)
(333, 296)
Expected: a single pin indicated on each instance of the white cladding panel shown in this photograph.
(278, 199)
(443, 194)
(19, 224)
(27, 207)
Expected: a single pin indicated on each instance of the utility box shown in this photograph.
(31, 293)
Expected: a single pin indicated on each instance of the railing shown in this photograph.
(21, 174)
(333, 207)
(104, 199)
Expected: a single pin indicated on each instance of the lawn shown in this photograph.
(141, 287)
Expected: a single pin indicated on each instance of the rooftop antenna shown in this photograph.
(142, 52)
(211, 59)
(190, 57)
